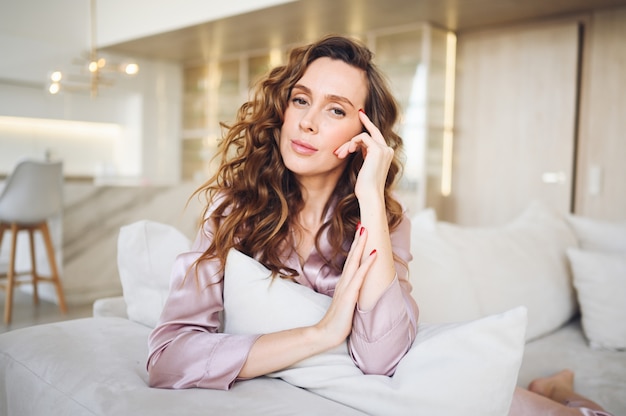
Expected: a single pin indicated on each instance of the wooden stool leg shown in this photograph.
(33, 264)
(53, 265)
(11, 276)
(3, 227)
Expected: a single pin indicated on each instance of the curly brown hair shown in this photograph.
(253, 199)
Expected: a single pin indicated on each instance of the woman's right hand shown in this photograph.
(336, 325)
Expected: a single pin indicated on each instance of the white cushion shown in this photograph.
(600, 280)
(146, 253)
(599, 235)
(426, 218)
(453, 369)
(461, 273)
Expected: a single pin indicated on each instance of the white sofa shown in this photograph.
(568, 273)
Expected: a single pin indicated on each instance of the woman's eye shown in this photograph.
(298, 101)
(338, 112)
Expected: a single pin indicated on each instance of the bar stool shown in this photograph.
(33, 194)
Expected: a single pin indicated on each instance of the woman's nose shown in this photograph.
(308, 122)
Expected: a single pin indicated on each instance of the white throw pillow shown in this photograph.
(441, 287)
(599, 235)
(146, 251)
(461, 273)
(453, 369)
(600, 280)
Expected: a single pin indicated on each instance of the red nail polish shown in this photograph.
(361, 110)
(362, 230)
(373, 252)
(358, 225)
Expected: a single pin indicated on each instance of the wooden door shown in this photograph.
(515, 116)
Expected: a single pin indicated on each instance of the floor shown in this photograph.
(25, 313)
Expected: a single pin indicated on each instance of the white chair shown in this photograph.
(32, 194)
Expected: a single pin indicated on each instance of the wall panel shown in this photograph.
(601, 185)
(515, 116)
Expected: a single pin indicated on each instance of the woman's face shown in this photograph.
(321, 115)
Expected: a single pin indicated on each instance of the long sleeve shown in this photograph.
(186, 349)
(381, 336)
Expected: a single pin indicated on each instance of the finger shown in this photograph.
(359, 276)
(356, 142)
(348, 147)
(358, 245)
(371, 128)
(342, 151)
(354, 241)
(353, 145)
(367, 123)
(356, 252)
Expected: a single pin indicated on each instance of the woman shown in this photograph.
(301, 169)
(312, 157)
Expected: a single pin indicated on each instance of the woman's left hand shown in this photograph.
(377, 157)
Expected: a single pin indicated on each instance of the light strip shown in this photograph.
(448, 116)
(52, 126)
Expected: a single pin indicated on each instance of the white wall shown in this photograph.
(123, 20)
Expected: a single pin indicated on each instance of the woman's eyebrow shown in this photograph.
(333, 97)
(329, 97)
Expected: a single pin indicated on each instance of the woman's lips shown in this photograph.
(302, 147)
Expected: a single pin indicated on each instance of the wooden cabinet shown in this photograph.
(214, 91)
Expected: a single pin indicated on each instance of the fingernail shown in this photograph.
(358, 225)
(373, 252)
(361, 110)
(362, 230)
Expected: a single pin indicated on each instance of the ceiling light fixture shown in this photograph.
(94, 68)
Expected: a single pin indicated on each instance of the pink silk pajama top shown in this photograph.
(188, 350)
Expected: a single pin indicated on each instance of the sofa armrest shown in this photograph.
(110, 307)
